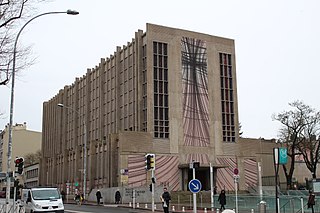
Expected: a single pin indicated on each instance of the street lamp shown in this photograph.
(84, 147)
(69, 12)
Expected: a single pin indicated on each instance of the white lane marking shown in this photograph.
(73, 211)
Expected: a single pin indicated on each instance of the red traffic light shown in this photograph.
(18, 161)
(235, 171)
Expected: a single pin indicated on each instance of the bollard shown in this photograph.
(252, 210)
(183, 209)
(155, 206)
(205, 210)
(130, 204)
(173, 208)
(262, 207)
(218, 210)
(137, 205)
(302, 208)
(146, 206)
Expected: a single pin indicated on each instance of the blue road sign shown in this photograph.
(195, 185)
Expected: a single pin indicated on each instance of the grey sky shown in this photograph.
(277, 47)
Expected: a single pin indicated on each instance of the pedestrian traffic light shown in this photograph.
(150, 161)
(19, 163)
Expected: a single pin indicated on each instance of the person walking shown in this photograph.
(165, 199)
(222, 200)
(98, 195)
(77, 198)
(117, 196)
(63, 196)
(311, 200)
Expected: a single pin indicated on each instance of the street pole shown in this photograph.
(236, 191)
(260, 180)
(211, 186)
(152, 188)
(276, 167)
(70, 12)
(194, 194)
(84, 160)
(84, 147)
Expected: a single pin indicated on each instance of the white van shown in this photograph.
(42, 200)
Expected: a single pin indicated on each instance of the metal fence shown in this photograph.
(290, 202)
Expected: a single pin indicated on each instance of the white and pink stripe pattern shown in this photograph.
(166, 173)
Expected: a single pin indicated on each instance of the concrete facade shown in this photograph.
(31, 176)
(169, 91)
(24, 142)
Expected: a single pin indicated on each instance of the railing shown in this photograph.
(17, 208)
(247, 202)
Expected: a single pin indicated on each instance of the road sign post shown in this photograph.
(236, 177)
(195, 187)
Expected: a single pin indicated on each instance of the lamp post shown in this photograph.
(69, 12)
(84, 147)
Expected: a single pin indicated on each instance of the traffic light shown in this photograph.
(150, 161)
(19, 163)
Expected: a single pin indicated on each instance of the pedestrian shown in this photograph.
(98, 195)
(81, 198)
(63, 195)
(117, 196)
(222, 199)
(165, 199)
(77, 198)
(311, 200)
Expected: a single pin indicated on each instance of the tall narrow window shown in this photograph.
(227, 101)
(144, 89)
(160, 90)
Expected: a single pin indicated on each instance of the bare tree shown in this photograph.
(32, 158)
(310, 146)
(11, 14)
(295, 123)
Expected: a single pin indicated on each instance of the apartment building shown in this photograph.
(31, 175)
(24, 142)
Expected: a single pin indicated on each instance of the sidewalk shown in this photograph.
(142, 208)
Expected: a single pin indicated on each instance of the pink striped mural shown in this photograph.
(137, 175)
(250, 172)
(198, 157)
(225, 175)
(167, 171)
(195, 92)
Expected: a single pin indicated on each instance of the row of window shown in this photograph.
(160, 89)
(227, 99)
(144, 89)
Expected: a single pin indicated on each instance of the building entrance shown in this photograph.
(203, 175)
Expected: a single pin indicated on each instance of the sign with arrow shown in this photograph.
(195, 185)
